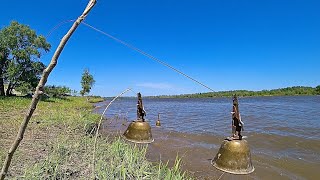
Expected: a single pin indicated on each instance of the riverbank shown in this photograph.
(58, 144)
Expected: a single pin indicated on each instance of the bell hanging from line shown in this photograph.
(234, 154)
(139, 131)
(158, 123)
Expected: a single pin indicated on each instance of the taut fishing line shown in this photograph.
(133, 48)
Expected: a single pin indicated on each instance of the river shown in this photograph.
(283, 133)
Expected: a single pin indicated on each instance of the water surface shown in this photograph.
(283, 132)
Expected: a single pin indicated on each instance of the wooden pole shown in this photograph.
(40, 87)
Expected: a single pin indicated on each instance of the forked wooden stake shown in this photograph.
(40, 87)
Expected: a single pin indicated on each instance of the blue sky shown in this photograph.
(227, 45)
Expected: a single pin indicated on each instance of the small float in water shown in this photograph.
(158, 123)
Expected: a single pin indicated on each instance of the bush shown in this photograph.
(57, 91)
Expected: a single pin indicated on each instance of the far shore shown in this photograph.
(288, 91)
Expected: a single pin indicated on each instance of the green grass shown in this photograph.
(95, 99)
(57, 145)
(115, 160)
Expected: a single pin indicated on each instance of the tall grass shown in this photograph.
(56, 145)
(115, 160)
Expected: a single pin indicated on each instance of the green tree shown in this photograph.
(19, 57)
(87, 82)
(318, 90)
(3, 62)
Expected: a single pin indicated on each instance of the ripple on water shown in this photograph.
(283, 132)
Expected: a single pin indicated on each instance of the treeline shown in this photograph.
(289, 91)
(58, 91)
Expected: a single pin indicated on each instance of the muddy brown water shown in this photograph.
(283, 133)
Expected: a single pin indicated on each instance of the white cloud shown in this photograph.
(155, 85)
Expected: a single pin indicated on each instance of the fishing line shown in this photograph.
(133, 48)
(221, 175)
(147, 55)
(57, 26)
(43, 52)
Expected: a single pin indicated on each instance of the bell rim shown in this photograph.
(231, 172)
(139, 142)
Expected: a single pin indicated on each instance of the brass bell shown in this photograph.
(234, 154)
(234, 157)
(158, 121)
(139, 131)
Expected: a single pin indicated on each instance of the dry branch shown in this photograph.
(40, 87)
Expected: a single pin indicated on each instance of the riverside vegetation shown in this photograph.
(58, 144)
(289, 91)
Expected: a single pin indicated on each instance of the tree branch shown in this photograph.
(39, 89)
